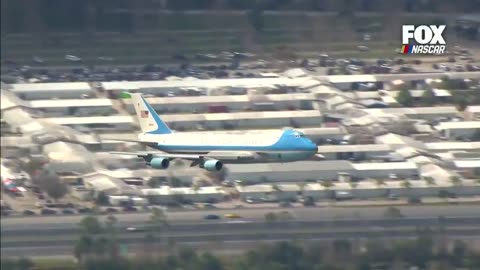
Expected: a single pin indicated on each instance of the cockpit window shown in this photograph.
(299, 134)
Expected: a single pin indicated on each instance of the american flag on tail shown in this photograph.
(143, 114)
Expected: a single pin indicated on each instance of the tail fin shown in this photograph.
(149, 120)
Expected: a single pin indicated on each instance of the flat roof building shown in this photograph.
(77, 107)
(168, 195)
(459, 130)
(33, 91)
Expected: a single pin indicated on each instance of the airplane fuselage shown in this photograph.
(271, 146)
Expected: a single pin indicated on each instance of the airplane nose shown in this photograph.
(312, 146)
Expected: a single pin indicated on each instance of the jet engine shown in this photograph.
(159, 163)
(212, 165)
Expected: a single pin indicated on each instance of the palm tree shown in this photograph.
(455, 180)
(327, 184)
(406, 184)
(430, 181)
(380, 182)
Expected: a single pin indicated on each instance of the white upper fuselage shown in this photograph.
(251, 139)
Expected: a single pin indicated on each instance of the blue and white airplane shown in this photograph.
(211, 150)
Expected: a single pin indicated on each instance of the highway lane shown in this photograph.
(248, 214)
(242, 225)
(235, 242)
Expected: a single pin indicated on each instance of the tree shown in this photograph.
(158, 219)
(392, 212)
(102, 198)
(110, 224)
(210, 262)
(443, 194)
(90, 225)
(405, 98)
(83, 247)
(406, 184)
(33, 167)
(380, 182)
(270, 217)
(429, 97)
(255, 17)
(24, 264)
(455, 180)
(430, 181)
(153, 182)
(327, 184)
(175, 182)
(347, 8)
(51, 183)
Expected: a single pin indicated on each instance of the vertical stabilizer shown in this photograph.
(149, 120)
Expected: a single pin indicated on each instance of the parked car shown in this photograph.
(28, 213)
(68, 212)
(211, 216)
(46, 211)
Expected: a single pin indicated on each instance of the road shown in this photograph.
(249, 214)
(55, 235)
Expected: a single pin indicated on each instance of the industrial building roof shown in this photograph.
(468, 163)
(458, 125)
(216, 83)
(354, 148)
(340, 165)
(64, 103)
(223, 99)
(35, 87)
(264, 188)
(473, 109)
(453, 146)
(91, 120)
(414, 111)
(352, 78)
(384, 166)
(167, 190)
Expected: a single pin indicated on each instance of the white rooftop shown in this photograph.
(458, 125)
(32, 87)
(352, 78)
(216, 83)
(385, 166)
(96, 102)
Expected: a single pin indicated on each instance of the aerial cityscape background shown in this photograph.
(395, 183)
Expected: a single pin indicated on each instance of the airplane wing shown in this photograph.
(146, 154)
(222, 156)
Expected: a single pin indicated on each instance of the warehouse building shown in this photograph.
(453, 146)
(371, 189)
(269, 193)
(315, 170)
(354, 152)
(73, 107)
(468, 168)
(425, 113)
(198, 121)
(34, 91)
(97, 123)
(203, 104)
(109, 185)
(176, 86)
(169, 195)
(68, 157)
(459, 130)
(472, 113)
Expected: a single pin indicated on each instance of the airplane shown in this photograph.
(211, 151)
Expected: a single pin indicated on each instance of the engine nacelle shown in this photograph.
(212, 165)
(159, 163)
